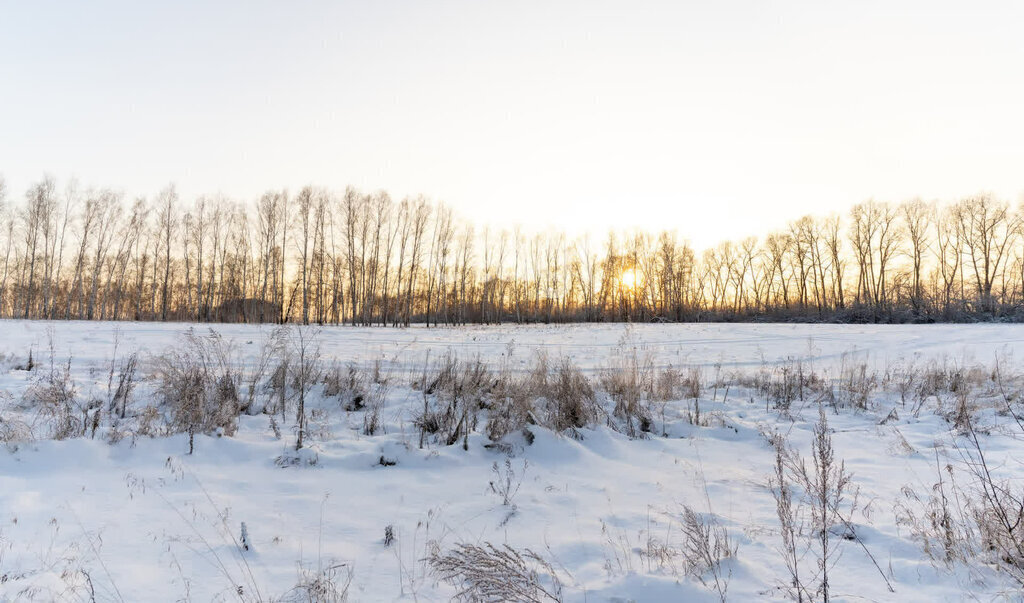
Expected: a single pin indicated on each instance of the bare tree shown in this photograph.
(305, 205)
(916, 221)
(167, 223)
(108, 212)
(305, 344)
(36, 219)
(988, 229)
(7, 228)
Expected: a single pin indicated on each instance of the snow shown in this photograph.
(145, 521)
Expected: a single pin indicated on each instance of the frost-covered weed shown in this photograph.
(198, 384)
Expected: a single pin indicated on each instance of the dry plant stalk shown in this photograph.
(490, 573)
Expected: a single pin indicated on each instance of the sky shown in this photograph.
(717, 120)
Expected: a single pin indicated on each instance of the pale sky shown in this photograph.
(716, 119)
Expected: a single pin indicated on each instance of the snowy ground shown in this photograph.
(141, 520)
(590, 345)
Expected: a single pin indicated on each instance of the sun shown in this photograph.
(629, 279)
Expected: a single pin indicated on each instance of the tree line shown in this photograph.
(320, 256)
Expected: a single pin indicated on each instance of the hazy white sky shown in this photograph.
(717, 119)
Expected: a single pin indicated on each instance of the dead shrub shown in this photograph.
(54, 397)
(979, 516)
(506, 482)
(510, 402)
(349, 384)
(510, 411)
(630, 382)
(789, 512)
(572, 404)
(453, 393)
(960, 415)
(445, 375)
(277, 387)
(318, 425)
(996, 505)
(935, 520)
(196, 381)
(13, 433)
(126, 382)
(706, 545)
(257, 373)
(439, 414)
(378, 395)
(783, 387)
(824, 491)
(906, 381)
(430, 421)
(150, 423)
(693, 385)
(329, 584)
(856, 385)
(668, 385)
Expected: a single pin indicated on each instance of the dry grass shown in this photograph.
(14, 432)
(706, 545)
(630, 384)
(329, 584)
(936, 521)
(497, 573)
(571, 401)
(348, 383)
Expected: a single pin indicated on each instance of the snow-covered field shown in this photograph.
(124, 513)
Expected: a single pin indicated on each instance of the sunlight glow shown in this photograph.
(630, 279)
